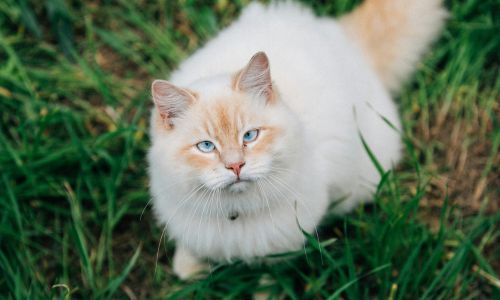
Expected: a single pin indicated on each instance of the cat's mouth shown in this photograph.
(238, 185)
(239, 181)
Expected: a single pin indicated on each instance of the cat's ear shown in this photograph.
(170, 100)
(255, 78)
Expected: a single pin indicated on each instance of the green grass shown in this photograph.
(74, 103)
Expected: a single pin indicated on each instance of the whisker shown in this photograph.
(268, 206)
(280, 172)
(209, 212)
(296, 216)
(277, 199)
(267, 180)
(162, 192)
(168, 221)
(262, 197)
(220, 207)
(193, 211)
(201, 219)
(277, 178)
(284, 169)
(220, 232)
(312, 219)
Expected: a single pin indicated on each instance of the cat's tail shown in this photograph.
(394, 34)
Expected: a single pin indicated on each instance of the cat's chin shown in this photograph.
(239, 186)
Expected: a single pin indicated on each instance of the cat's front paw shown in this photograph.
(266, 280)
(186, 265)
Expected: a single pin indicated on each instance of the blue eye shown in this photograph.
(251, 135)
(205, 146)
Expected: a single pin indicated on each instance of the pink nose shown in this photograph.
(236, 167)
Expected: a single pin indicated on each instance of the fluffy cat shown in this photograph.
(241, 149)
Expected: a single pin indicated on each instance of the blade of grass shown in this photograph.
(337, 293)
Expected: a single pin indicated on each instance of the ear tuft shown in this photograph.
(170, 100)
(255, 78)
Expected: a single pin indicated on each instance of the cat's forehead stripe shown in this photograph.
(208, 128)
(223, 121)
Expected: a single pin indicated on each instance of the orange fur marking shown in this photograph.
(195, 160)
(379, 25)
(265, 142)
(393, 35)
(224, 120)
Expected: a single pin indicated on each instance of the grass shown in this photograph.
(74, 91)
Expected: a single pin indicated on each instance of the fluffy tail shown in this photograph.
(394, 34)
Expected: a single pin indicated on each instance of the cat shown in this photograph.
(260, 128)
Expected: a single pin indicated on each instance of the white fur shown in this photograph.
(328, 94)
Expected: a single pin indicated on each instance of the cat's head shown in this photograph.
(228, 131)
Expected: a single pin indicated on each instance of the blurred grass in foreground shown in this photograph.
(74, 91)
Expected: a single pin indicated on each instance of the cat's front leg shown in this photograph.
(185, 264)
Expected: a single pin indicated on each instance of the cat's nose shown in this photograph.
(236, 167)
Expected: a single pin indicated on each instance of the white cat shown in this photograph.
(239, 152)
